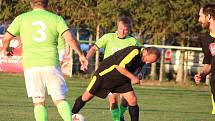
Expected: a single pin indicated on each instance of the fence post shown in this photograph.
(162, 68)
(186, 66)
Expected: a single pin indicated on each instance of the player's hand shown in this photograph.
(84, 62)
(135, 80)
(8, 52)
(197, 78)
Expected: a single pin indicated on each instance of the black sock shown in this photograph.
(79, 103)
(134, 112)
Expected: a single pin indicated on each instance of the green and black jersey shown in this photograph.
(108, 79)
(129, 58)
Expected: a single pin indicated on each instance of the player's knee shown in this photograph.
(132, 101)
(56, 102)
(113, 99)
(57, 98)
(87, 96)
(38, 100)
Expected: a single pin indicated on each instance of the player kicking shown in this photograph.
(115, 75)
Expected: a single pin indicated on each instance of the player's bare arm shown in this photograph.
(205, 71)
(73, 43)
(91, 51)
(6, 43)
(132, 77)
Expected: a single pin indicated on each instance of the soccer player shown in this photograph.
(207, 21)
(112, 42)
(39, 30)
(115, 75)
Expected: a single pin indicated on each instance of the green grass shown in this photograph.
(157, 103)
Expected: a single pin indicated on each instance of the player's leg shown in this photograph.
(123, 107)
(87, 96)
(212, 83)
(115, 111)
(57, 88)
(213, 104)
(132, 105)
(36, 89)
(40, 112)
(64, 109)
(81, 101)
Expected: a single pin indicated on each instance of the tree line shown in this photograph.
(157, 21)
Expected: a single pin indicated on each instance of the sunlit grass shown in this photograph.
(157, 103)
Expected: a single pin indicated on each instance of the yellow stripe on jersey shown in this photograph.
(107, 70)
(129, 57)
(92, 82)
(141, 50)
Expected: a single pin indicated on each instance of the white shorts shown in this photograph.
(38, 78)
(61, 54)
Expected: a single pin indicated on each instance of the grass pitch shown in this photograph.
(157, 103)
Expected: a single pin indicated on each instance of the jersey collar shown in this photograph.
(121, 38)
(38, 9)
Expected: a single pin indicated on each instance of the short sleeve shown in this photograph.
(207, 55)
(14, 27)
(205, 48)
(136, 43)
(61, 26)
(126, 55)
(128, 58)
(101, 43)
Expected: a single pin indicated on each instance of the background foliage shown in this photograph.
(154, 19)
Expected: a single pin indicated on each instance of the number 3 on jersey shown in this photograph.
(41, 31)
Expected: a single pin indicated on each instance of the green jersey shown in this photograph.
(111, 43)
(61, 43)
(39, 31)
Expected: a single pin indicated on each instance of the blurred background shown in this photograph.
(171, 25)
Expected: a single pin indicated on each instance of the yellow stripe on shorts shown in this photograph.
(92, 82)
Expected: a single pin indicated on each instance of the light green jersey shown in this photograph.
(111, 43)
(61, 48)
(39, 31)
(61, 43)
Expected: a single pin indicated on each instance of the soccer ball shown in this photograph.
(78, 117)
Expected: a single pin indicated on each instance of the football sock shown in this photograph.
(134, 112)
(213, 104)
(79, 103)
(40, 113)
(64, 110)
(115, 114)
(122, 110)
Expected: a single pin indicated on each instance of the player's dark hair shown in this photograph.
(43, 3)
(125, 20)
(209, 9)
(153, 50)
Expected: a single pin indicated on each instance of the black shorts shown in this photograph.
(101, 86)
